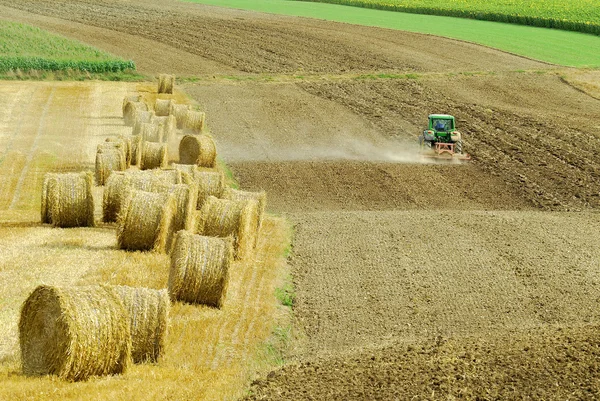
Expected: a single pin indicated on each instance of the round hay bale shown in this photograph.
(209, 183)
(224, 218)
(131, 110)
(154, 155)
(148, 312)
(198, 149)
(109, 159)
(45, 212)
(130, 98)
(162, 107)
(179, 111)
(189, 169)
(140, 118)
(151, 132)
(119, 184)
(199, 271)
(239, 195)
(69, 201)
(136, 150)
(168, 127)
(166, 83)
(74, 333)
(145, 220)
(194, 121)
(124, 142)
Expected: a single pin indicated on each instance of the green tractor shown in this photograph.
(441, 139)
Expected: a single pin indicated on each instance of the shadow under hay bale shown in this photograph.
(119, 184)
(198, 149)
(194, 121)
(179, 111)
(74, 333)
(148, 312)
(131, 110)
(145, 221)
(239, 195)
(162, 107)
(108, 159)
(199, 271)
(154, 155)
(224, 218)
(67, 200)
(166, 83)
(140, 118)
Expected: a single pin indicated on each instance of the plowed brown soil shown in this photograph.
(390, 253)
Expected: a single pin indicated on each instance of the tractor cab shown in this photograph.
(442, 137)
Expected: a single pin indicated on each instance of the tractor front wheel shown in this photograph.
(423, 143)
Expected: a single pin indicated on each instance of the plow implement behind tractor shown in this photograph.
(441, 139)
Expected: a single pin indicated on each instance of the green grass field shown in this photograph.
(551, 45)
(572, 15)
(26, 48)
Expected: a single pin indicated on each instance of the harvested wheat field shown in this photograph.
(407, 279)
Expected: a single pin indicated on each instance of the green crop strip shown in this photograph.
(555, 46)
(571, 15)
(27, 48)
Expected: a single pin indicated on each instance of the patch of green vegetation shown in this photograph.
(550, 45)
(25, 48)
(72, 75)
(229, 178)
(286, 294)
(571, 15)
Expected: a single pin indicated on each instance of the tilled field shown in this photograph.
(464, 280)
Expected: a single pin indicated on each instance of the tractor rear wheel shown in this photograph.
(458, 145)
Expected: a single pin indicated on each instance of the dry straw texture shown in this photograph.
(189, 169)
(148, 312)
(136, 150)
(194, 121)
(74, 333)
(68, 200)
(162, 107)
(109, 159)
(119, 184)
(200, 269)
(151, 132)
(130, 98)
(154, 155)
(198, 149)
(140, 118)
(145, 221)
(224, 218)
(131, 111)
(209, 183)
(167, 126)
(260, 197)
(166, 83)
(179, 111)
(123, 141)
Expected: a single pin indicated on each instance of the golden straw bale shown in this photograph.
(145, 220)
(74, 333)
(148, 312)
(209, 183)
(260, 197)
(151, 132)
(186, 198)
(189, 169)
(109, 159)
(199, 271)
(198, 149)
(179, 111)
(154, 155)
(69, 201)
(162, 107)
(131, 110)
(130, 98)
(140, 118)
(118, 184)
(166, 83)
(124, 142)
(194, 121)
(224, 217)
(168, 127)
